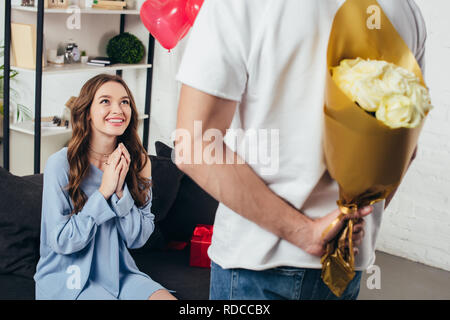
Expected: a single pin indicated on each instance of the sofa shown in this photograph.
(179, 204)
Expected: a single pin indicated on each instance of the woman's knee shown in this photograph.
(161, 294)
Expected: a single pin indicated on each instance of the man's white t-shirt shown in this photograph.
(270, 56)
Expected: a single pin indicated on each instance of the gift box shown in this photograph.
(200, 242)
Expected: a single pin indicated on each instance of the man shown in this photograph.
(260, 64)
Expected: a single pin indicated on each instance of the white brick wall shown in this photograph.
(417, 223)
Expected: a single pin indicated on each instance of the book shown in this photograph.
(104, 60)
(96, 6)
(96, 64)
(112, 5)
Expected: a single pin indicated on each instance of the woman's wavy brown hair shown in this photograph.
(78, 147)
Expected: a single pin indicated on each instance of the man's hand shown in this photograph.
(318, 226)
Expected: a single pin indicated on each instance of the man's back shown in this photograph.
(270, 55)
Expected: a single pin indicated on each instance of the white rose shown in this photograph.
(398, 111)
(374, 85)
(357, 79)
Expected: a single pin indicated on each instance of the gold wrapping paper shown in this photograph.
(366, 158)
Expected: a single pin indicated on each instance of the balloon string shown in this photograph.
(173, 85)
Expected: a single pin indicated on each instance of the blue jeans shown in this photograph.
(282, 283)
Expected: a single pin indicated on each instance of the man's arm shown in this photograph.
(237, 185)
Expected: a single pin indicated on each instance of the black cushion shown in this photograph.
(163, 150)
(192, 206)
(16, 288)
(20, 216)
(166, 178)
(35, 178)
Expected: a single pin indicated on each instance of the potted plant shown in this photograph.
(84, 57)
(19, 111)
(125, 48)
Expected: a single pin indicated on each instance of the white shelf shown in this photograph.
(27, 127)
(85, 10)
(79, 67)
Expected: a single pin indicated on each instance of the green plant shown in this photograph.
(83, 53)
(21, 112)
(125, 48)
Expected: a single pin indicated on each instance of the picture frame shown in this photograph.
(23, 46)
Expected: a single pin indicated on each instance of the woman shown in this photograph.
(96, 202)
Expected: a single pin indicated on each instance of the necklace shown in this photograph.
(104, 156)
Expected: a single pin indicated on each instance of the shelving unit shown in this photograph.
(84, 10)
(79, 67)
(53, 139)
(39, 72)
(27, 127)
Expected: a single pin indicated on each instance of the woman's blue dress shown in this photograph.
(85, 256)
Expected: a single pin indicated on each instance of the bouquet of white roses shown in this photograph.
(376, 103)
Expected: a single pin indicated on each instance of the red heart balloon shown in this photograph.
(166, 20)
(192, 9)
